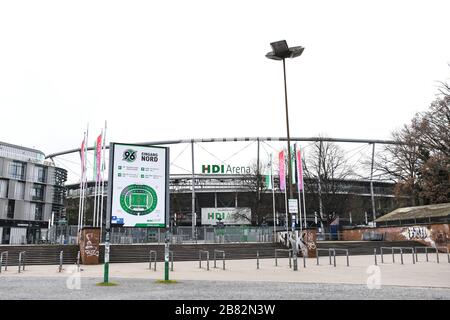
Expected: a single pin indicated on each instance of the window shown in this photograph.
(17, 170)
(3, 188)
(19, 191)
(40, 174)
(37, 192)
(10, 209)
(39, 211)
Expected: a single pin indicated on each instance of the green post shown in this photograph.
(106, 266)
(166, 258)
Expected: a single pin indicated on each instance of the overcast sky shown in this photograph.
(158, 70)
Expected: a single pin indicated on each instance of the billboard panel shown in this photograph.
(139, 182)
(210, 216)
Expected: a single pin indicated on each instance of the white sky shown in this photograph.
(158, 70)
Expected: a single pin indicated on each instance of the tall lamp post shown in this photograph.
(281, 51)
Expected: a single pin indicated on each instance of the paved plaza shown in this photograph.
(240, 280)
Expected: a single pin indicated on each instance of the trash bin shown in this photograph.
(90, 245)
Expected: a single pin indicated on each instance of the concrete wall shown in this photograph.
(433, 234)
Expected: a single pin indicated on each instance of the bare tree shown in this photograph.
(326, 162)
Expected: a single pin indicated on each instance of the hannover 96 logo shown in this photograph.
(138, 199)
(129, 155)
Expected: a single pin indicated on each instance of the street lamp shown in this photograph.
(281, 51)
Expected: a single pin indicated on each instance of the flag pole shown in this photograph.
(298, 161)
(285, 194)
(83, 220)
(273, 199)
(103, 181)
(94, 172)
(303, 192)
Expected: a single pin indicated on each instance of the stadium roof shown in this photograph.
(407, 213)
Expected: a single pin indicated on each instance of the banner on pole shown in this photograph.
(139, 185)
(282, 169)
(299, 171)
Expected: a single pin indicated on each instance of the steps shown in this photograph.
(49, 254)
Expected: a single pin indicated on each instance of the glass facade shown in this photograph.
(10, 209)
(38, 211)
(3, 188)
(37, 192)
(40, 174)
(18, 153)
(17, 170)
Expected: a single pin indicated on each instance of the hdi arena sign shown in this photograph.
(210, 216)
(139, 185)
(225, 169)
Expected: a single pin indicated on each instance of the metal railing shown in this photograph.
(448, 253)
(426, 253)
(62, 234)
(152, 252)
(223, 257)
(283, 250)
(342, 250)
(200, 259)
(22, 260)
(400, 249)
(61, 257)
(329, 255)
(4, 253)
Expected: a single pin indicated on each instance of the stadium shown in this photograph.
(228, 174)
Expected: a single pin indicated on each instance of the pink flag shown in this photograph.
(82, 156)
(299, 171)
(98, 155)
(282, 171)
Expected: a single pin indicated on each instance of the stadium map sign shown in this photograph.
(139, 177)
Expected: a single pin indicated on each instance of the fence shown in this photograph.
(61, 234)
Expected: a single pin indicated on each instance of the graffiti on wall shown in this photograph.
(91, 245)
(418, 233)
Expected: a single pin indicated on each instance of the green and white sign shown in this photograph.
(139, 185)
(210, 216)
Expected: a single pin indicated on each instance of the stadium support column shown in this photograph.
(371, 184)
(194, 218)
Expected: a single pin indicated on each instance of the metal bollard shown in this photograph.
(401, 255)
(317, 256)
(304, 261)
(78, 261)
(348, 262)
(257, 259)
(171, 263)
(334, 256)
(415, 251)
(393, 255)
(61, 257)
(150, 260)
(290, 262)
(4, 253)
(276, 261)
(426, 253)
(382, 260)
(329, 255)
(22, 254)
(437, 255)
(375, 255)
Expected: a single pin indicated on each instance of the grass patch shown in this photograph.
(106, 284)
(166, 281)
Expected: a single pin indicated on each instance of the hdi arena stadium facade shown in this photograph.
(207, 184)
